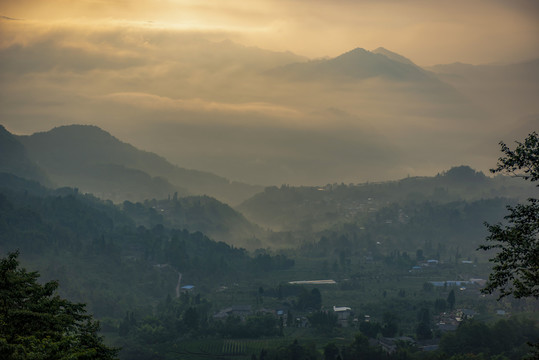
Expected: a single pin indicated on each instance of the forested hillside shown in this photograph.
(294, 208)
(399, 257)
(99, 254)
(199, 213)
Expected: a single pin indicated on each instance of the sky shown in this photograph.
(428, 32)
(186, 79)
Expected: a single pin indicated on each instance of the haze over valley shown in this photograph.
(205, 101)
(269, 180)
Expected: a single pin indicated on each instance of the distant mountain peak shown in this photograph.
(79, 130)
(356, 64)
(354, 53)
(392, 55)
(361, 63)
(358, 50)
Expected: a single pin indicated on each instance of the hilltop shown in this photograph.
(93, 160)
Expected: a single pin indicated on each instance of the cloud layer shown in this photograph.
(427, 31)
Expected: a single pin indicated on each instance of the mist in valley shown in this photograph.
(217, 180)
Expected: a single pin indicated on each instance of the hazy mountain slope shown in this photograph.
(527, 69)
(316, 208)
(102, 257)
(94, 160)
(199, 213)
(10, 182)
(14, 159)
(385, 82)
(392, 55)
(508, 91)
(356, 64)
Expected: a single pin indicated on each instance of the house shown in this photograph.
(450, 283)
(187, 288)
(343, 314)
(302, 322)
(467, 314)
(389, 345)
(241, 311)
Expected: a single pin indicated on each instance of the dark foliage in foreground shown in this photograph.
(38, 324)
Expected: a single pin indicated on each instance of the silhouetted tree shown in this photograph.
(516, 269)
(37, 324)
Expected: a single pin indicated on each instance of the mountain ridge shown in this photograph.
(356, 64)
(289, 207)
(14, 159)
(72, 153)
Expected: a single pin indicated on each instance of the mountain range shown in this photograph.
(91, 159)
(355, 65)
(262, 117)
(153, 192)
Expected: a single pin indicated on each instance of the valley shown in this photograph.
(269, 180)
(190, 276)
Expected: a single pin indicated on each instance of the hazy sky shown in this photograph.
(426, 31)
(188, 80)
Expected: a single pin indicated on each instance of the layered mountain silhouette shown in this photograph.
(291, 208)
(506, 91)
(355, 65)
(393, 56)
(198, 213)
(93, 160)
(14, 159)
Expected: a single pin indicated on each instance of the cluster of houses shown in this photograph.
(343, 314)
(449, 321)
(424, 264)
(241, 311)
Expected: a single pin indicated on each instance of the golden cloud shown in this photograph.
(155, 102)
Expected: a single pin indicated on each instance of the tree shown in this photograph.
(516, 269)
(331, 352)
(451, 299)
(423, 330)
(312, 299)
(440, 305)
(35, 323)
(391, 325)
(360, 349)
(370, 329)
(190, 318)
(323, 320)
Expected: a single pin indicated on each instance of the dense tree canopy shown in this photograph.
(35, 323)
(516, 269)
